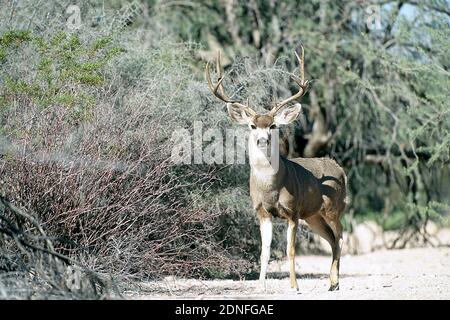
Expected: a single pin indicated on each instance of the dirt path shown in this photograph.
(422, 273)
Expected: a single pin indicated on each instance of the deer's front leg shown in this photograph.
(266, 240)
(290, 251)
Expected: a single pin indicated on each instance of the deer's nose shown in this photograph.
(262, 142)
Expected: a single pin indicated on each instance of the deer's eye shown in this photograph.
(252, 126)
(273, 126)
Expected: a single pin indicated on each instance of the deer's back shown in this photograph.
(331, 180)
(321, 167)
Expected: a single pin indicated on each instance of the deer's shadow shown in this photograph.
(280, 275)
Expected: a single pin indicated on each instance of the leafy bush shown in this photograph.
(86, 132)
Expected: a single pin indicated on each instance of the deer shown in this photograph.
(308, 189)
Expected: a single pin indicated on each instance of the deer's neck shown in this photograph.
(266, 167)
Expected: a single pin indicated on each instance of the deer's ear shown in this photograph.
(237, 113)
(288, 114)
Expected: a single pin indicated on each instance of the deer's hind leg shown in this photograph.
(320, 226)
(336, 226)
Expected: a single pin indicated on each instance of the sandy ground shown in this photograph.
(421, 273)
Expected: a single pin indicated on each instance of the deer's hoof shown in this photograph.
(334, 287)
(294, 290)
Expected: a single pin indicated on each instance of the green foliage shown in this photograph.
(64, 65)
(382, 92)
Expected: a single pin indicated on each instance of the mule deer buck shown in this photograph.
(312, 189)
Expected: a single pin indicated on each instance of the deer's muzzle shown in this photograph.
(262, 142)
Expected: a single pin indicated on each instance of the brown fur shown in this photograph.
(303, 187)
(263, 120)
(313, 189)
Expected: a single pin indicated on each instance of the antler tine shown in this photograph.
(302, 83)
(219, 87)
(301, 63)
(219, 74)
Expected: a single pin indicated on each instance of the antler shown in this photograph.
(302, 83)
(219, 87)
